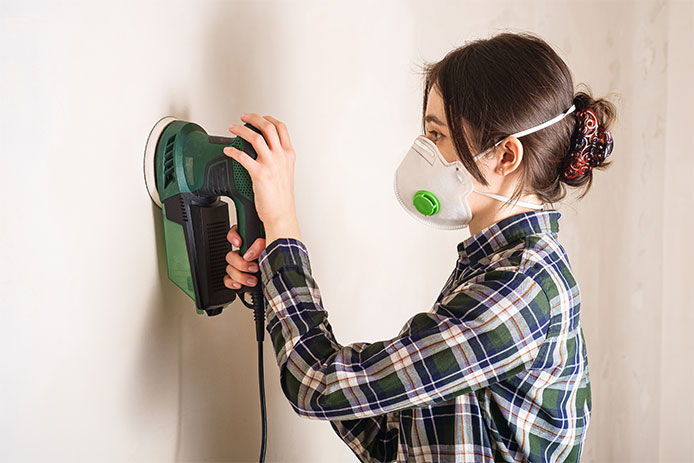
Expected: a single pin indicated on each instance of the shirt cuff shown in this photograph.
(284, 268)
(281, 253)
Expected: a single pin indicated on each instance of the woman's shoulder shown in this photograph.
(543, 258)
(536, 258)
(516, 253)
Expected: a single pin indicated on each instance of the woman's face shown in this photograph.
(437, 126)
(500, 167)
(437, 131)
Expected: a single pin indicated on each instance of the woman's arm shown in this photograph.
(371, 439)
(481, 333)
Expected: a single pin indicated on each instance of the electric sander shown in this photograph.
(186, 172)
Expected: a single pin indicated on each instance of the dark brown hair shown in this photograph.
(494, 87)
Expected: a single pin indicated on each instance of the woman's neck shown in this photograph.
(492, 214)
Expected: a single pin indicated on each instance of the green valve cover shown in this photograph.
(426, 202)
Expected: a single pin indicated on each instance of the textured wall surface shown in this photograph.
(104, 359)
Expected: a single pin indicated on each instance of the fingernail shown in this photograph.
(248, 255)
(253, 268)
(250, 281)
(237, 242)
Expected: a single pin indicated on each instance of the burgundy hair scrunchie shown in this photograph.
(590, 145)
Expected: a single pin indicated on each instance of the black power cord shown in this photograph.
(263, 415)
(258, 306)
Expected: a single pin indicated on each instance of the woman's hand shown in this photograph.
(272, 173)
(235, 276)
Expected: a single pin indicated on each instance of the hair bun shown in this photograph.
(590, 145)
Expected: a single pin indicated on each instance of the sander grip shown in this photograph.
(250, 228)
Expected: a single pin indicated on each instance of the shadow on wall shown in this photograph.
(159, 352)
(219, 410)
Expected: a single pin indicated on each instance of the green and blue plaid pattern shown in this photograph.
(496, 370)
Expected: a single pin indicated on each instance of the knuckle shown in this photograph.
(233, 258)
(234, 273)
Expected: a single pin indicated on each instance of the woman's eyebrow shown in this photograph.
(432, 118)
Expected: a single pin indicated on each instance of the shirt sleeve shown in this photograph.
(374, 438)
(485, 330)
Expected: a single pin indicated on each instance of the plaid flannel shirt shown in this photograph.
(496, 370)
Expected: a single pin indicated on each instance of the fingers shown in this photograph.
(233, 236)
(233, 284)
(234, 275)
(248, 163)
(239, 271)
(264, 125)
(234, 259)
(283, 133)
(255, 139)
(255, 249)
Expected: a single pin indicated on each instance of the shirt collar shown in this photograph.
(507, 231)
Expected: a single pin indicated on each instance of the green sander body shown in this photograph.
(186, 172)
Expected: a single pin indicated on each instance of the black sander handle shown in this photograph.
(231, 179)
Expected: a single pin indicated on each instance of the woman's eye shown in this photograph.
(436, 134)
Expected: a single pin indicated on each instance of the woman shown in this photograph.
(497, 369)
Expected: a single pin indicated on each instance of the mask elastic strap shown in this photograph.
(528, 131)
(506, 199)
(541, 126)
(518, 135)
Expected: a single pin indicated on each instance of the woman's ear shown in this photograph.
(509, 157)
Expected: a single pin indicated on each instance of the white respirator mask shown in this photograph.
(435, 191)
